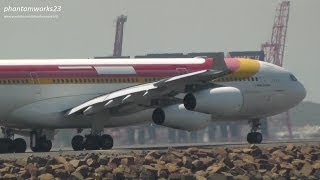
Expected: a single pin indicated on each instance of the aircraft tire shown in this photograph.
(257, 137)
(20, 145)
(42, 145)
(6, 145)
(254, 138)
(77, 143)
(92, 142)
(250, 138)
(106, 141)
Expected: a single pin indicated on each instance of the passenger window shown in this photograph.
(256, 78)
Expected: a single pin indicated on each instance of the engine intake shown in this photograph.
(220, 101)
(176, 116)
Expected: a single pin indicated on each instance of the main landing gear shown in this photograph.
(254, 137)
(10, 145)
(39, 142)
(92, 141)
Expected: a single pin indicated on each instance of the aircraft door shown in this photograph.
(36, 84)
(182, 70)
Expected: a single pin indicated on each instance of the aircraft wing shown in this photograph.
(160, 93)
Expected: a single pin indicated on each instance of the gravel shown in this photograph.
(259, 162)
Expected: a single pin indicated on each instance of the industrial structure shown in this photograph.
(117, 50)
(274, 50)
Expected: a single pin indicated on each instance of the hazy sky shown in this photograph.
(86, 28)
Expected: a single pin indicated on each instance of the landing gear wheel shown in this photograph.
(77, 143)
(254, 138)
(42, 145)
(92, 142)
(250, 138)
(6, 145)
(106, 141)
(20, 145)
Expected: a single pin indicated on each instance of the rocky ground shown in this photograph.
(257, 162)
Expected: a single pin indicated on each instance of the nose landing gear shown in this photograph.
(254, 137)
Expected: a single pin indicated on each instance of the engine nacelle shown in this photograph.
(176, 116)
(222, 101)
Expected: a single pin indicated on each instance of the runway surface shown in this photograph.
(162, 147)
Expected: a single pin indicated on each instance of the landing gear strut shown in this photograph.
(10, 145)
(39, 142)
(254, 137)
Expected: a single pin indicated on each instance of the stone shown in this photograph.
(103, 160)
(61, 173)
(216, 168)
(115, 160)
(248, 159)
(118, 176)
(298, 163)
(175, 176)
(187, 162)
(284, 172)
(41, 161)
(316, 165)
(201, 173)
(69, 167)
(177, 154)
(192, 150)
(290, 147)
(200, 177)
(197, 165)
(83, 170)
(91, 162)
(247, 150)
(22, 162)
(32, 169)
(306, 169)
(9, 177)
(154, 154)
(23, 174)
(220, 151)
(74, 163)
(77, 176)
(306, 150)
(147, 174)
(59, 166)
(184, 170)
(172, 167)
(46, 176)
(163, 173)
(127, 160)
(237, 171)
(215, 176)
(60, 159)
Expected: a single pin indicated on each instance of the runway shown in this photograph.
(128, 149)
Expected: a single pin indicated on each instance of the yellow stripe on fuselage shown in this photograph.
(248, 68)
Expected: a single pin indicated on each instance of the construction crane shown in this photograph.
(117, 50)
(274, 50)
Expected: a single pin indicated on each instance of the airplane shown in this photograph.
(43, 95)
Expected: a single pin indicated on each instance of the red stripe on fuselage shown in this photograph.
(52, 71)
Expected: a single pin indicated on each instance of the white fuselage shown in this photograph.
(43, 105)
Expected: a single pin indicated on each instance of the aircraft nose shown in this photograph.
(300, 92)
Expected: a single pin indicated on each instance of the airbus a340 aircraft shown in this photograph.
(39, 96)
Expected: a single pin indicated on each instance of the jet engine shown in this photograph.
(176, 116)
(220, 101)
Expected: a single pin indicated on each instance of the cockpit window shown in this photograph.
(293, 78)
